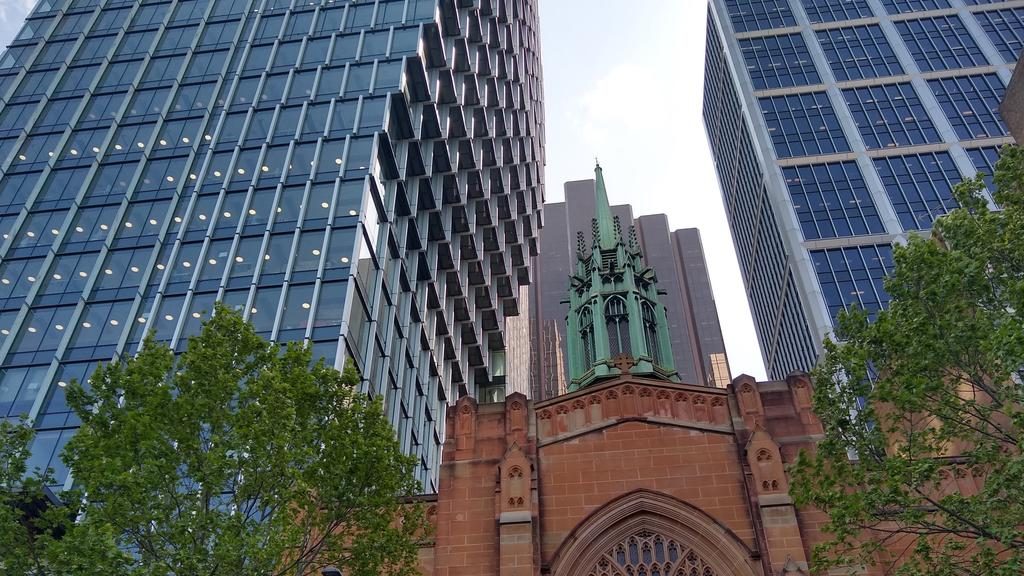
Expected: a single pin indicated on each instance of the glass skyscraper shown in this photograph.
(360, 174)
(838, 127)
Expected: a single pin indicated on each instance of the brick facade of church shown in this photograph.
(666, 478)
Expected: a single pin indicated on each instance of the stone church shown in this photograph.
(631, 473)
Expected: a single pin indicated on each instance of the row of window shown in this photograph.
(143, 221)
(853, 276)
(860, 52)
(832, 200)
(182, 25)
(753, 15)
(886, 116)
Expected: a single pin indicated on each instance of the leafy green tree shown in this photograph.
(237, 457)
(38, 534)
(923, 407)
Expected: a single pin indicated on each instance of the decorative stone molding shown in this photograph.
(645, 511)
(624, 400)
(515, 481)
(748, 398)
(765, 460)
(803, 399)
(516, 422)
(465, 427)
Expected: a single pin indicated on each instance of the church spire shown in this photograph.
(616, 324)
(607, 235)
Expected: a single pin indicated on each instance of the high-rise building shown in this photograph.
(363, 175)
(838, 127)
(677, 257)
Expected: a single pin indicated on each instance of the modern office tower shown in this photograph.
(677, 258)
(363, 175)
(837, 128)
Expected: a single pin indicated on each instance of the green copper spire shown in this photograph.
(616, 324)
(605, 223)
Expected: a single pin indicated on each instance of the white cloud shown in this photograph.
(12, 16)
(15, 10)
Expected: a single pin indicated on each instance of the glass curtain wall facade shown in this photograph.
(838, 127)
(361, 175)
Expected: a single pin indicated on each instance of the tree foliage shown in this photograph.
(923, 408)
(237, 457)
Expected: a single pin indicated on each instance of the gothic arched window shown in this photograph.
(649, 554)
(587, 336)
(651, 331)
(616, 319)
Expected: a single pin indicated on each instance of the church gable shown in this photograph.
(631, 433)
(628, 476)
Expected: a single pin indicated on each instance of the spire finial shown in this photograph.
(608, 238)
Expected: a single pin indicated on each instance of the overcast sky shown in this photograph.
(622, 82)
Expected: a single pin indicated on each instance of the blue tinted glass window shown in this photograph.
(421, 10)
(298, 25)
(99, 326)
(984, 160)
(120, 74)
(14, 117)
(778, 61)
(803, 125)
(940, 43)
(890, 115)
(835, 10)
(345, 48)
(65, 279)
(1006, 30)
(859, 52)
(391, 12)
(832, 200)
(46, 450)
(188, 11)
(42, 330)
(747, 15)
(149, 15)
(853, 276)
(94, 47)
(76, 80)
(901, 6)
(972, 104)
(110, 19)
(920, 186)
(54, 52)
(35, 28)
(14, 190)
(35, 83)
(39, 229)
(264, 309)
(329, 20)
(18, 389)
(16, 278)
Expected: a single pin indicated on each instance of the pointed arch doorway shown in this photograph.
(647, 533)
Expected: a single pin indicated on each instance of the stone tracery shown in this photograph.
(648, 553)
